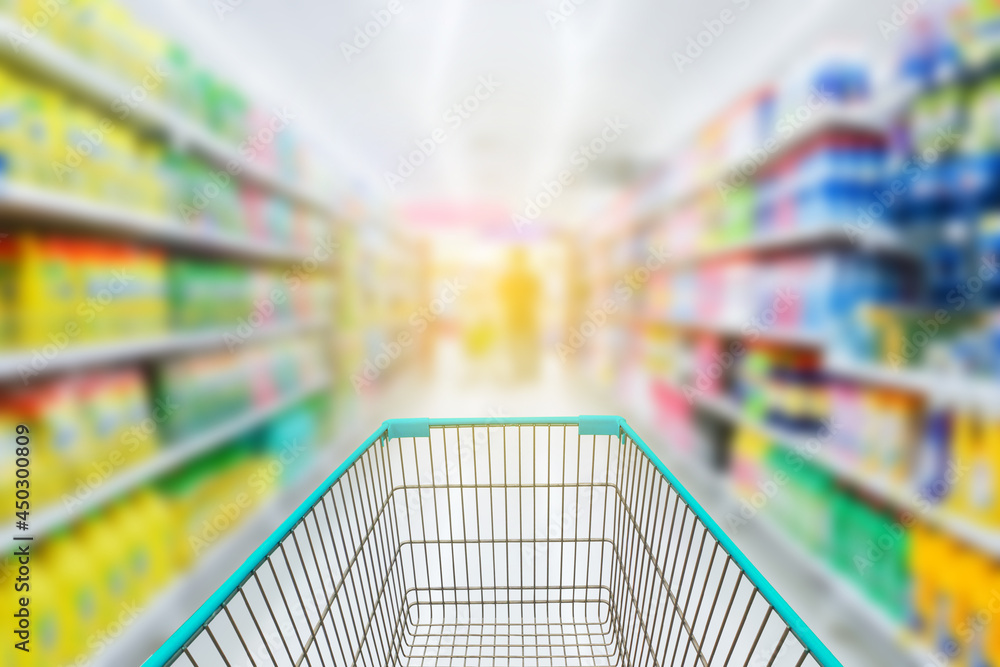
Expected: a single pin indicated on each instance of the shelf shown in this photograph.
(12, 365)
(983, 538)
(172, 606)
(794, 557)
(74, 73)
(865, 117)
(777, 336)
(132, 646)
(41, 206)
(950, 389)
(845, 591)
(170, 456)
(819, 236)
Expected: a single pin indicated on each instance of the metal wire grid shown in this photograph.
(498, 545)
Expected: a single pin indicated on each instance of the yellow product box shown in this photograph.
(49, 130)
(16, 126)
(950, 610)
(109, 567)
(11, 135)
(976, 447)
(79, 129)
(965, 444)
(85, 40)
(133, 533)
(48, 634)
(92, 311)
(73, 569)
(156, 307)
(47, 290)
(63, 444)
(992, 606)
(161, 529)
(137, 315)
(985, 476)
(982, 624)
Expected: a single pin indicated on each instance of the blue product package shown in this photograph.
(988, 250)
(766, 203)
(933, 457)
(948, 260)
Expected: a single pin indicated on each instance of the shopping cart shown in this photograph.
(497, 542)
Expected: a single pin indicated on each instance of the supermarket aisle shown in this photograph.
(561, 391)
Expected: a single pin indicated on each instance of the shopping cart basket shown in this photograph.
(497, 542)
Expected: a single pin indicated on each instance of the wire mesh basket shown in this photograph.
(497, 542)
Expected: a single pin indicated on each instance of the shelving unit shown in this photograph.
(830, 235)
(55, 209)
(758, 332)
(982, 537)
(954, 389)
(870, 116)
(683, 208)
(29, 208)
(13, 365)
(74, 73)
(846, 594)
(171, 607)
(170, 457)
(868, 614)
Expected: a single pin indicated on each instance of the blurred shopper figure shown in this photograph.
(520, 293)
(480, 332)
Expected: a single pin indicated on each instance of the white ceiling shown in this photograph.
(558, 84)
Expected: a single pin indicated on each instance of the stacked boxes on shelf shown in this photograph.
(99, 574)
(891, 488)
(137, 467)
(76, 291)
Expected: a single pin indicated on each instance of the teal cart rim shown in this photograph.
(395, 428)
